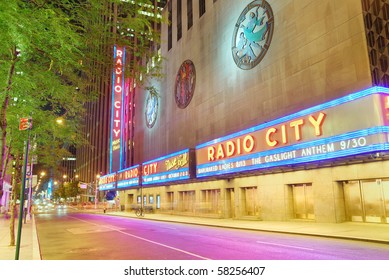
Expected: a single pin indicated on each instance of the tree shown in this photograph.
(41, 75)
(50, 55)
(67, 190)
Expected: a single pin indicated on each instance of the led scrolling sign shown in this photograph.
(331, 130)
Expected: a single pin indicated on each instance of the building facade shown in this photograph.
(268, 110)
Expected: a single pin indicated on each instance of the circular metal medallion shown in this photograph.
(185, 84)
(252, 34)
(151, 110)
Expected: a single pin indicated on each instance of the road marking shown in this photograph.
(144, 239)
(288, 246)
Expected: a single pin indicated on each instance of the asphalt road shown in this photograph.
(81, 236)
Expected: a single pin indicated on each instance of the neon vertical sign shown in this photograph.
(116, 142)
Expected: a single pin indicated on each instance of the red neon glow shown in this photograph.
(231, 148)
(129, 174)
(107, 179)
(150, 168)
(282, 132)
(274, 136)
(118, 92)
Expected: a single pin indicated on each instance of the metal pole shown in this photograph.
(22, 198)
(30, 190)
(96, 194)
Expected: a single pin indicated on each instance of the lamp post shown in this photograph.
(96, 189)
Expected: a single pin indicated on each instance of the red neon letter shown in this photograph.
(317, 123)
(269, 141)
(297, 128)
(211, 153)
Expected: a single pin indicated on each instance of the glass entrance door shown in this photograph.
(385, 191)
(303, 201)
(372, 200)
(230, 201)
(353, 201)
(367, 201)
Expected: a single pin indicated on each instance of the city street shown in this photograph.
(83, 236)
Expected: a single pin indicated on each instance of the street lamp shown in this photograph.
(97, 184)
(59, 121)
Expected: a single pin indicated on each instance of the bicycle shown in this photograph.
(140, 212)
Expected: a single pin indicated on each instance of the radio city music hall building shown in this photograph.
(270, 110)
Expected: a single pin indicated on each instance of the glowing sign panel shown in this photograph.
(107, 182)
(173, 167)
(116, 144)
(128, 177)
(331, 130)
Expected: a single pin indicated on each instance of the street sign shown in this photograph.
(25, 123)
(82, 185)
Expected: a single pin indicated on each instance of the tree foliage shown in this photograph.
(51, 53)
(41, 76)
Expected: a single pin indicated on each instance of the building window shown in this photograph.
(158, 201)
(201, 7)
(169, 32)
(189, 11)
(179, 22)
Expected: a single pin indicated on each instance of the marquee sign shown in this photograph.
(117, 124)
(173, 167)
(331, 130)
(128, 177)
(107, 182)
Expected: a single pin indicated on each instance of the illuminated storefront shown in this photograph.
(331, 135)
(273, 122)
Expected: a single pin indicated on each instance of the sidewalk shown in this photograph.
(29, 249)
(29, 246)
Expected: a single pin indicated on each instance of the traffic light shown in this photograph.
(25, 123)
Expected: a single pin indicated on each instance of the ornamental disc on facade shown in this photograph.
(151, 109)
(252, 34)
(185, 84)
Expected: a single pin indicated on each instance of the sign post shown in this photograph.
(25, 124)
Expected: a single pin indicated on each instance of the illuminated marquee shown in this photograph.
(128, 177)
(173, 167)
(116, 144)
(332, 130)
(107, 182)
